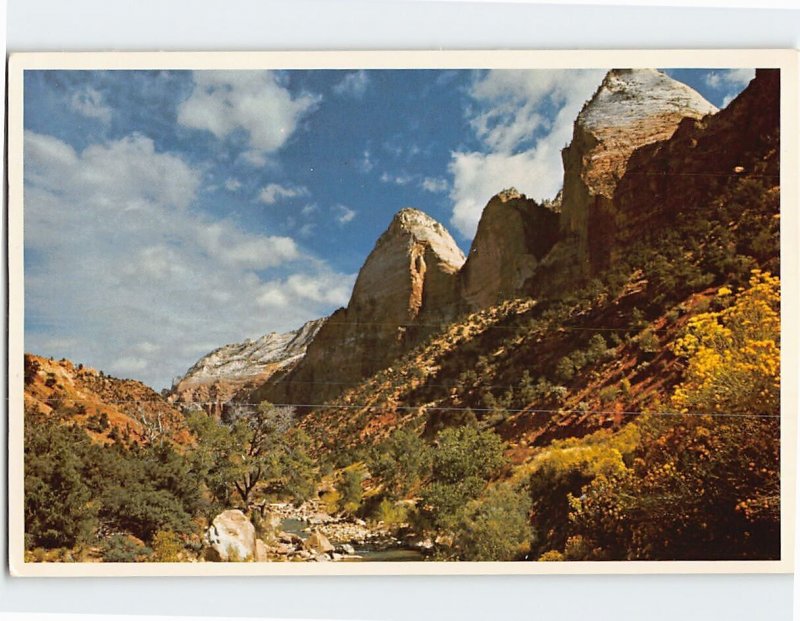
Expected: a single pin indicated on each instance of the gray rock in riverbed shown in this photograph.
(317, 542)
(346, 548)
(290, 538)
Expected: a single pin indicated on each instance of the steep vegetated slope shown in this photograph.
(674, 234)
(107, 408)
(106, 468)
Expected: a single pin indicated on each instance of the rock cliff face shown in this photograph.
(408, 282)
(411, 271)
(701, 161)
(631, 108)
(513, 235)
(416, 278)
(238, 368)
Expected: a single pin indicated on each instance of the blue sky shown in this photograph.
(170, 212)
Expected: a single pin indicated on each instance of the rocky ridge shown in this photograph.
(416, 278)
(238, 368)
(521, 247)
(514, 234)
(107, 408)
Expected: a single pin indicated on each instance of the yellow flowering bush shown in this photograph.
(705, 481)
(734, 354)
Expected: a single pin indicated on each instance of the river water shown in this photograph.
(367, 554)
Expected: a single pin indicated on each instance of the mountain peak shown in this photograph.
(509, 194)
(626, 96)
(412, 226)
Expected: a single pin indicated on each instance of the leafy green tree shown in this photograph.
(59, 508)
(401, 462)
(494, 527)
(72, 486)
(254, 455)
(465, 452)
(464, 460)
(351, 490)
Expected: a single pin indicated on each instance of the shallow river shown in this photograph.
(367, 554)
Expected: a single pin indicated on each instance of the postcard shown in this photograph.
(402, 312)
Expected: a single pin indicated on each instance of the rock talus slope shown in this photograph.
(106, 407)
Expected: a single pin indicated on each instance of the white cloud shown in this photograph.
(730, 77)
(365, 164)
(398, 147)
(329, 289)
(343, 214)
(254, 101)
(400, 179)
(523, 119)
(257, 159)
(353, 84)
(124, 274)
(434, 185)
(140, 175)
(89, 102)
(146, 347)
(225, 243)
(232, 184)
(128, 365)
(730, 81)
(272, 193)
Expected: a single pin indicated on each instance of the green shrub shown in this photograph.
(351, 490)
(494, 527)
(124, 549)
(167, 547)
(552, 555)
(609, 394)
(565, 369)
(403, 460)
(392, 514)
(464, 460)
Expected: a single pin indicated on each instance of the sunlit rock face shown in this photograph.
(407, 286)
(513, 235)
(238, 368)
(631, 108)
